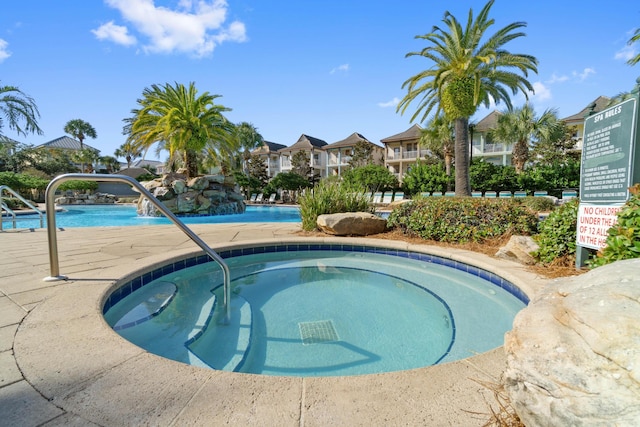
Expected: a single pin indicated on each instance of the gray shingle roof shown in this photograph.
(488, 122)
(66, 143)
(268, 147)
(305, 142)
(349, 141)
(600, 102)
(410, 134)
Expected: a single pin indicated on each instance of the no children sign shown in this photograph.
(594, 222)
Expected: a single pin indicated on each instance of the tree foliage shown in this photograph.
(18, 111)
(468, 70)
(425, 177)
(371, 178)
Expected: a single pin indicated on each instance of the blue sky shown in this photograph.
(322, 68)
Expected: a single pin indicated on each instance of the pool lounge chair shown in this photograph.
(377, 198)
(450, 194)
(490, 194)
(505, 194)
(399, 195)
(259, 198)
(253, 198)
(540, 193)
(569, 194)
(476, 194)
(520, 194)
(387, 197)
(272, 198)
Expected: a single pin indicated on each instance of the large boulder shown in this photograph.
(351, 224)
(519, 249)
(573, 356)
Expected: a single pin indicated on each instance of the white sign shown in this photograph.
(594, 222)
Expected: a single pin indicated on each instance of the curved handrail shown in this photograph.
(53, 241)
(8, 210)
(23, 200)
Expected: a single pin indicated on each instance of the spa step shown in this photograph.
(142, 305)
(224, 347)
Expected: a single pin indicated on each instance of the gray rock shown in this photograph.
(573, 356)
(519, 248)
(351, 224)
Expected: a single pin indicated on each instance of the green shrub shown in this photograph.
(329, 197)
(623, 241)
(538, 204)
(463, 219)
(557, 237)
(77, 185)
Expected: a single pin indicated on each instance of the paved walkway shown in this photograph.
(60, 364)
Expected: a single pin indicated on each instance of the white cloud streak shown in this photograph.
(195, 27)
(626, 53)
(343, 67)
(4, 52)
(394, 102)
(582, 76)
(114, 33)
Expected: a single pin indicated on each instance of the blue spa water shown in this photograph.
(126, 215)
(317, 313)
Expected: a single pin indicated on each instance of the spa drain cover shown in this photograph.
(317, 332)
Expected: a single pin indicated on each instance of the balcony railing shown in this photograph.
(492, 148)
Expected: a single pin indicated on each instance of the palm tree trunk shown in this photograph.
(191, 163)
(463, 185)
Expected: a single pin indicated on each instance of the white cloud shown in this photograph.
(557, 79)
(195, 27)
(584, 74)
(542, 93)
(343, 67)
(115, 33)
(394, 102)
(4, 53)
(626, 53)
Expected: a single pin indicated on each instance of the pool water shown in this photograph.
(126, 215)
(317, 313)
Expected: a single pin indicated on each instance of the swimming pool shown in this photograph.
(317, 310)
(126, 215)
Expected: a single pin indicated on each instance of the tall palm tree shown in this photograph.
(248, 139)
(17, 107)
(467, 72)
(79, 129)
(180, 120)
(522, 127)
(128, 151)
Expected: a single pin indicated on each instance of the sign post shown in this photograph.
(610, 156)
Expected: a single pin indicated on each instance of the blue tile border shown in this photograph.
(134, 284)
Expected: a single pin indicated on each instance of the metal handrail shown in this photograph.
(53, 242)
(8, 210)
(23, 200)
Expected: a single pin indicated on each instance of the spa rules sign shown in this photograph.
(606, 174)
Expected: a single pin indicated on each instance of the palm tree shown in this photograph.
(79, 129)
(522, 127)
(467, 72)
(248, 139)
(179, 119)
(15, 108)
(438, 137)
(129, 152)
(632, 40)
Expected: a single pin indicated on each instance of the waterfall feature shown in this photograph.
(147, 209)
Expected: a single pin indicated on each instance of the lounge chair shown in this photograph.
(253, 198)
(259, 198)
(387, 197)
(398, 196)
(540, 193)
(490, 194)
(272, 198)
(505, 194)
(476, 194)
(520, 194)
(569, 194)
(450, 194)
(377, 198)
(426, 194)
(436, 194)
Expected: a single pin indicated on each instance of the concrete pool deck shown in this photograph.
(60, 363)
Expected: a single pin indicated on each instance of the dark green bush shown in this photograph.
(463, 219)
(329, 197)
(77, 185)
(538, 204)
(557, 236)
(623, 241)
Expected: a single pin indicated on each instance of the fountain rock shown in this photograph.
(203, 195)
(573, 355)
(519, 249)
